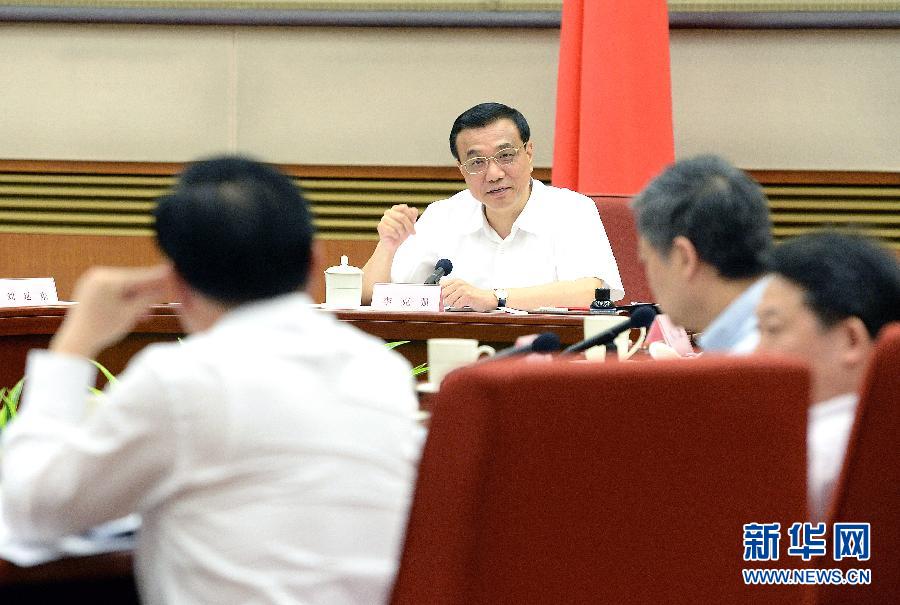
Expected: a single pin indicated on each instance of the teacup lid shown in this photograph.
(344, 268)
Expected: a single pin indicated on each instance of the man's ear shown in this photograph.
(856, 343)
(529, 153)
(683, 257)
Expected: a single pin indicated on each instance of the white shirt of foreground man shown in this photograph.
(271, 458)
(558, 236)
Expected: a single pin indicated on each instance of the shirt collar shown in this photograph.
(274, 309)
(531, 218)
(836, 405)
(735, 329)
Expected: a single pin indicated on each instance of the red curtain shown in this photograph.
(614, 96)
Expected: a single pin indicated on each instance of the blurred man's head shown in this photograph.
(236, 230)
(703, 228)
(830, 296)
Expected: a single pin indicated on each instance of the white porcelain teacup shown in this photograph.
(446, 354)
(594, 324)
(343, 286)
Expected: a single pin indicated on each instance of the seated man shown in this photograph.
(513, 241)
(828, 299)
(704, 230)
(271, 453)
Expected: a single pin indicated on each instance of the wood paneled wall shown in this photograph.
(65, 257)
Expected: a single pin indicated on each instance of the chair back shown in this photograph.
(538, 484)
(868, 490)
(623, 238)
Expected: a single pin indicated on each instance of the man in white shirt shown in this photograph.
(513, 241)
(270, 454)
(829, 297)
(704, 230)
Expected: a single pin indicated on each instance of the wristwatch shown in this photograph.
(500, 293)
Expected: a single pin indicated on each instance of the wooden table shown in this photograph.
(25, 328)
(500, 330)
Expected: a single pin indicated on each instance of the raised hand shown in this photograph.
(397, 224)
(110, 302)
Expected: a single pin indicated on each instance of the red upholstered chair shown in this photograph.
(619, 224)
(538, 485)
(868, 490)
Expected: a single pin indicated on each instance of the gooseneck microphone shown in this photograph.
(641, 317)
(441, 268)
(546, 342)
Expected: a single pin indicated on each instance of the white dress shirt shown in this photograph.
(736, 330)
(557, 237)
(828, 432)
(271, 458)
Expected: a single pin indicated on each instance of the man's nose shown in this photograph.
(494, 172)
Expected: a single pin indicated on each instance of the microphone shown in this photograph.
(641, 317)
(441, 268)
(546, 342)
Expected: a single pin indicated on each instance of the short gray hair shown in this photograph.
(720, 209)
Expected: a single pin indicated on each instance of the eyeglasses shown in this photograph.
(479, 164)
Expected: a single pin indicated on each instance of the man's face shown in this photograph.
(499, 188)
(788, 326)
(663, 278)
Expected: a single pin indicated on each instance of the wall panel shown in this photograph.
(814, 100)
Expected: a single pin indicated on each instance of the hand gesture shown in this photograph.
(458, 293)
(110, 302)
(397, 224)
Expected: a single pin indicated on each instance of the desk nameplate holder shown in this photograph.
(406, 297)
(28, 292)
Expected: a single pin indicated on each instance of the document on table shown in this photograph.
(113, 536)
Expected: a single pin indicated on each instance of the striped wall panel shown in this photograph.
(348, 201)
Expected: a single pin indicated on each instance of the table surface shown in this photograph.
(26, 328)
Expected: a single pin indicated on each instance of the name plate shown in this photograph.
(406, 297)
(28, 292)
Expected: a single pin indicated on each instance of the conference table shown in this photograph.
(25, 328)
(109, 575)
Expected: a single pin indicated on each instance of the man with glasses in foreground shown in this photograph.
(513, 241)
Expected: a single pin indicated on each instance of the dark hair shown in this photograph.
(842, 275)
(236, 230)
(487, 113)
(719, 208)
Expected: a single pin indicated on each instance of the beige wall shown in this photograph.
(766, 99)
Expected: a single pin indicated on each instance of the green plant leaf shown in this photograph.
(4, 411)
(395, 344)
(420, 369)
(109, 375)
(12, 398)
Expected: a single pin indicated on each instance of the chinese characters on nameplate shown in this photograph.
(28, 292)
(406, 297)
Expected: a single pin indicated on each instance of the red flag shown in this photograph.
(614, 96)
